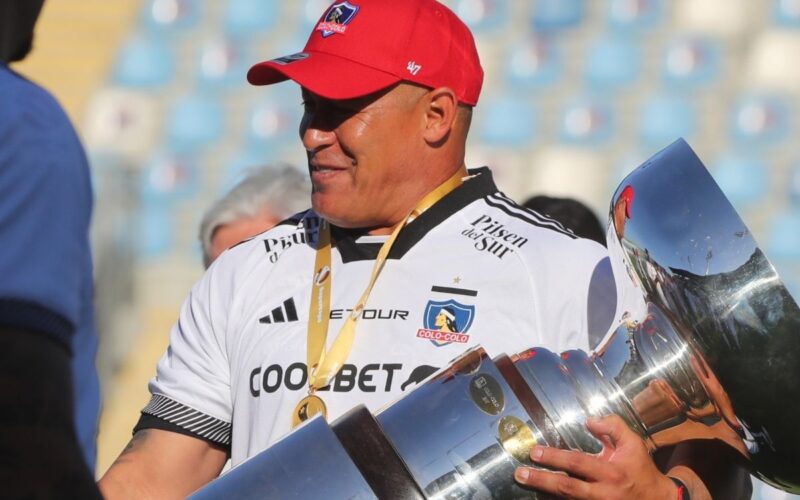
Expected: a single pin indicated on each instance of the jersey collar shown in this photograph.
(352, 247)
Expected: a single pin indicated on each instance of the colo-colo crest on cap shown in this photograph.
(337, 18)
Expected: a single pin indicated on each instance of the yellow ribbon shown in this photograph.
(322, 366)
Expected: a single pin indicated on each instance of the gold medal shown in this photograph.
(307, 408)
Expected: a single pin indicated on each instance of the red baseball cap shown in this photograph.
(362, 46)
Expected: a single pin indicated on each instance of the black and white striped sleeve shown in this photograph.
(166, 414)
(191, 391)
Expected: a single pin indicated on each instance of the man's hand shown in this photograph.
(623, 469)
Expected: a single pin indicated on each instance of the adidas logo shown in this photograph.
(281, 314)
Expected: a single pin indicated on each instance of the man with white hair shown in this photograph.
(266, 196)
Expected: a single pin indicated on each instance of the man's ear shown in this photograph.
(441, 106)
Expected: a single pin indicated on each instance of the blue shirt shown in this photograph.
(46, 283)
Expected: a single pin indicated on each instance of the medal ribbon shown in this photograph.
(322, 366)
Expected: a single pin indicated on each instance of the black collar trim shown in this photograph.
(475, 188)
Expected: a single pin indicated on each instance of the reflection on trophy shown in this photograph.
(714, 353)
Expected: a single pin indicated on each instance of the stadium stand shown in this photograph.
(145, 63)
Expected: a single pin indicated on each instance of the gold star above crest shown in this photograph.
(457, 280)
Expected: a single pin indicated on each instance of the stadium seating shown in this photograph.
(273, 120)
(194, 122)
(155, 235)
(783, 236)
(742, 177)
(145, 63)
(483, 15)
(794, 184)
(554, 15)
(536, 62)
(760, 120)
(508, 122)
(222, 63)
(170, 16)
(167, 179)
(588, 122)
(787, 13)
(691, 62)
(613, 61)
(636, 16)
(251, 17)
(665, 118)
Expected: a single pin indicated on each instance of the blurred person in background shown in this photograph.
(266, 196)
(51, 398)
(388, 89)
(571, 213)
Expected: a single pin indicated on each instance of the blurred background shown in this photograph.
(577, 93)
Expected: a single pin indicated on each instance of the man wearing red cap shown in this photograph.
(337, 306)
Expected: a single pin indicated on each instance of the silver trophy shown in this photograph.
(713, 354)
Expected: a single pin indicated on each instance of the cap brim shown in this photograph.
(326, 75)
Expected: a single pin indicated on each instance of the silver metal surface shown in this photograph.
(720, 317)
(308, 463)
(714, 353)
(448, 439)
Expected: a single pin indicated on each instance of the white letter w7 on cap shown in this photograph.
(413, 67)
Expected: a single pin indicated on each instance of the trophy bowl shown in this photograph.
(712, 352)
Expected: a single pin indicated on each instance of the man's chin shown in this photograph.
(335, 217)
(348, 219)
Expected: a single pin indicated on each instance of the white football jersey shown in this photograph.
(474, 269)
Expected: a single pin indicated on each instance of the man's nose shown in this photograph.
(314, 136)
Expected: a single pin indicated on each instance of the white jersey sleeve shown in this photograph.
(191, 389)
(572, 308)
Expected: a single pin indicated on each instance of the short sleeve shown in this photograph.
(601, 303)
(571, 312)
(191, 389)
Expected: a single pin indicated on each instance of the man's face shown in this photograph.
(364, 156)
